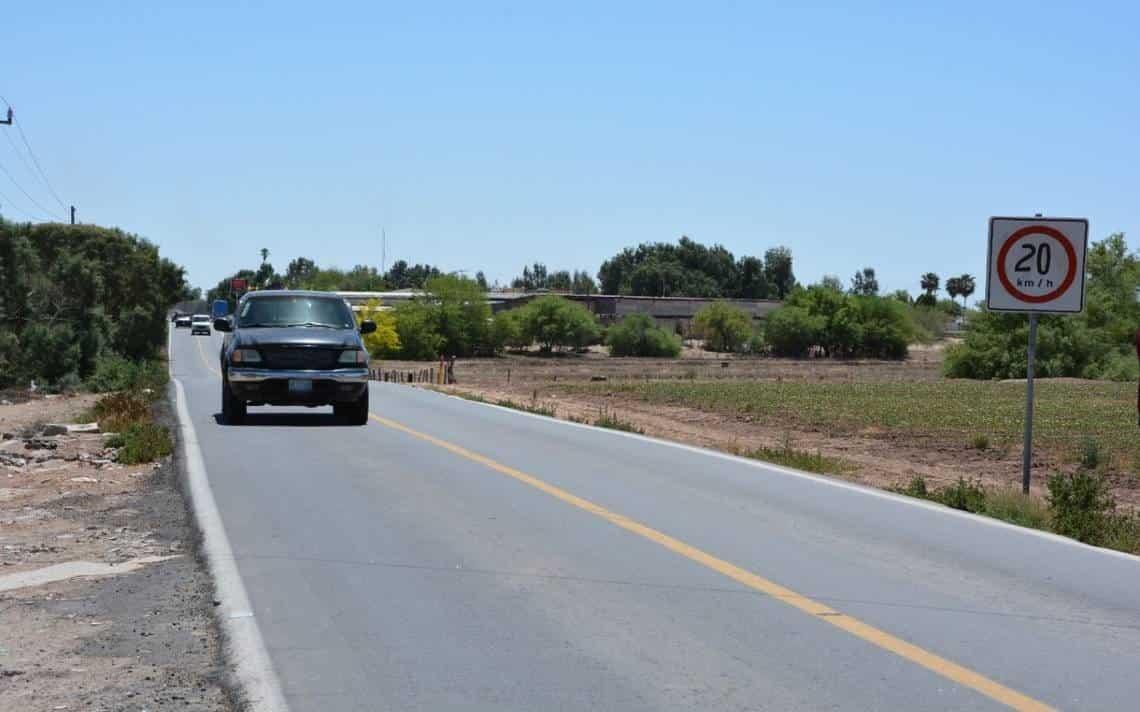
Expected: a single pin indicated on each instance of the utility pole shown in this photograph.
(383, 252)
(72, 214)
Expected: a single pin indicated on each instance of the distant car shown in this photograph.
(200, 324)
(294, 348)
(182, 321)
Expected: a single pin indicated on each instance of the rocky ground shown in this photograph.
(103, 603)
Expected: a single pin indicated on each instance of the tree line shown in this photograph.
(77, 301)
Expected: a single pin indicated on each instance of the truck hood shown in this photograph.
(298, 336)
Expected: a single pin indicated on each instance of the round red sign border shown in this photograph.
(1070, 252)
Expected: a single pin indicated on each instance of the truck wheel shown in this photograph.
(233, 409)
(357, 413)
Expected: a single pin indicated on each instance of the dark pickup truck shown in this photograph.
(294, 348)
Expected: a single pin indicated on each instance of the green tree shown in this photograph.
(722, 326)
(639, 335)
(555, 322)
(792, 331)
(461, 314)
(778, 270)
(864, 283)
(929, 283)
(415, 327)
(507, 331)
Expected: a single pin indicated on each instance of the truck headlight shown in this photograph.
(353, 357)
(245, 356)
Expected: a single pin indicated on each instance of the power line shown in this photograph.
(28, 195)
(4, 203)
(35, 159)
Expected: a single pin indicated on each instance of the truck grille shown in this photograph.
(299, 357)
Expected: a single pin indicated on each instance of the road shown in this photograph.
(455, 555)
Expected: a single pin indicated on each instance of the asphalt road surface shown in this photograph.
(454, 555)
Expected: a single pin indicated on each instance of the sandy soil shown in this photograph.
(885, 460)
(123, 641)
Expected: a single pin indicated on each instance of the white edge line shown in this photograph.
(247, 652)
(863, 489)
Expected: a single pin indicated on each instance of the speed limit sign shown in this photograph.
(1037, 265)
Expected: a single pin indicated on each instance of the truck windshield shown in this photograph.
(296, 311)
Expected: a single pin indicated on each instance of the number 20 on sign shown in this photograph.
(1037, 265)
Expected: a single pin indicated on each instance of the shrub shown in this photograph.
(915, 488)
(143, 442)
(1013, 506)
(1081, 505)
(112, 373)
(1091, 457)
(606, 419)
(555, 322)
(115, 373)
(792, 331)
(980, 442)
(638, 335)
(723, 327)
(116, 411)
(967, 495)
(49, 351)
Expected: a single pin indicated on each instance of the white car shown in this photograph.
(200, 324)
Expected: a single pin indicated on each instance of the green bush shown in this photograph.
(1094, 344)
(723, 327)
(115, 373)
(967, 495)
(606, 419)
(71, 293)
(638, 335)
(142, 442)
(114, 412)
(49, 351)
(792, 331)
(1013, 506)
(1081, 505)
(554, 322)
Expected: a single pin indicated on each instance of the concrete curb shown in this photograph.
(246, 649)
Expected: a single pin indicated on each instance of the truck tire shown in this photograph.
(233, 409)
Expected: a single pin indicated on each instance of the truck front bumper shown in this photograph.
(263, 386)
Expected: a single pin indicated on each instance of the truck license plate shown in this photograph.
(297, 385)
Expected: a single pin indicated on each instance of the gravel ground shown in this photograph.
(139, 640)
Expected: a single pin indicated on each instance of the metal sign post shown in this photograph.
(1027, 444)
(1036, 266)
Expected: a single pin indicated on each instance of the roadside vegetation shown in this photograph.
(1095, 344)
(1068, 414)
(1079, 505)
(789, 456)
(81, 305)
(128, 414)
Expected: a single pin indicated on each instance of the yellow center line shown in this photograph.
(206, 361)
(908, 651)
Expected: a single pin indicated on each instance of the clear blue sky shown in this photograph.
(485, 136)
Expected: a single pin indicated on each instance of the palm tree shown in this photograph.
(930, 283)
(264, 254)
(966, 287)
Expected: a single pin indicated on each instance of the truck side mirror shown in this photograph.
(223, 324)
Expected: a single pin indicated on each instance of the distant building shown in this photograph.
(673, 313)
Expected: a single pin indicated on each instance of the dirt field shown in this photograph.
(103, 605)
(583, 386)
